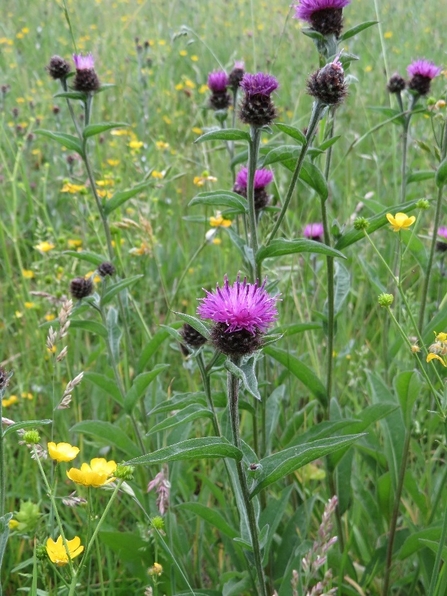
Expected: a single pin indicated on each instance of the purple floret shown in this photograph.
(423, 68)
(313, 230)
(442, 231)
(262, 178)
(306, 8)
(218, 81)
(84, 62)
(241, 306)
(259, 84)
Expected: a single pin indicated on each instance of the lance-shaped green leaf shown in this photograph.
(114, 289)
(278, 465)
(420, 176)
(246, 374)
(68, 141)
(376, 222)
(122, 196)
(441, 174)
(329, 142)
(140, 384)
(357, 29)
(90, 326)
(281, 154)
(191, 412)
(194, 322)
(313, 176)
(4, 533)
(308, 32)
(300, 370)
(180, 402)
(212, 516)
(281, 246)
(71, 95)
(26, 424)
(95, 129)
(85, 255)
(217, 198)
(394, 116)
(107, 384)
(109, 433)
(152, 346)
(204, 448)
(224, 134)
(291, 131)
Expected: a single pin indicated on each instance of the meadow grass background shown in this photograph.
(161, 92)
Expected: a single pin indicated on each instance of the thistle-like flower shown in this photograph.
(324, 16)
(314, 231)
(218, 82)
(81, 287)
(441, 244)
(241, 313)
(422, 72)
(58, 68)
(236, 75)
(262, 178)
(257, 107)
(396, 84)
(327, 84)
(86, 79)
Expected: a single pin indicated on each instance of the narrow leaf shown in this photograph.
(278, 465)
(204, 448)
(313, 176)
(191, 412)
(420, 176)
(194, 322)
(218, 198)
(107, 384)
(300, 370)
(246, 374)
(122, 196)
(85, 255)
(354, 30)
(114, 289)
(26, 424)
(152, 346)
(140, 384)
(90, 326)
(212, 516)
(281, 246)
(441, 174)
(68, 141)
(224, 134)
(71, 95)
(4, 533)
(291, 131)
(109, 433)
(96, 129)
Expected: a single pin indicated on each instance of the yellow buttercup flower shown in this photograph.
(62, 451)
(57, 552)
(400, 221)
(97, 474)
(44, 246)
(438, 350)
(219, 221)
(431, 357)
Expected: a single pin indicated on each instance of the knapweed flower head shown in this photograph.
(257, 108)
(396, 83)
(441, 244)
(438, 350)
(81, 287)
(242, 313)
(58, 68)
(86, 79)
(58, 553)
(400, 221)
(61, 452)
(422, 72)
(327, 85)
(314, 231)
(218, 82)
(324, 16)
(106, 269)
(192, 338)
(236, 75)
(97, 474)
(263, 177)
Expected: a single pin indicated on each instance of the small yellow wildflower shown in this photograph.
(388, 34)
(9, 401)
(49, 317)
(27, 395)
(135, 144)
(183, 53)
(62, 452)
(431, 357)
(120, 132)
(196, 130)
(200, 180)
(28, 273)
(74, 243)
(167, 120)
(30, 304)
(73, 188)
(219, 221)
(438, 350)
(156, 569)
(57, 552)
(217, 241)
(194, 58)
(157, 174)
(113, 162)
(13, 524)
(162, 145)
(44, 246)
(400, 221)
(144, 249)
(97, 474)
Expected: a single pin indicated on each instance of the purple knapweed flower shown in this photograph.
(314, 231)
(262, 178)
(236, 75)
(218, 81)
(257, 108)
(86, 79)
(324, 16)
(327, 84)
(242, 313)
(422, 72)
(259, 84)
(441, 244)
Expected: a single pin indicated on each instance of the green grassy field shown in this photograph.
(140, 393)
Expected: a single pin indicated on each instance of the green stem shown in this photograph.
(233, 398)
(436, 566)
(317, 109)
(2, 460)
(395, 513)
(207, 387)
(253, 148)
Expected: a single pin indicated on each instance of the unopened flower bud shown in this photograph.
(124, 472)
(81, 287)
(31, 437)
(385, 300)
(106, 269)
(158, 522)
(328, 84)
(396, 84)
(361, 223)
(423, 204)
(58, 68)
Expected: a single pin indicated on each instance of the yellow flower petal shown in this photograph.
(431, 357)
(400, 221)
(58, 554)
(97, 474)
(62, 451)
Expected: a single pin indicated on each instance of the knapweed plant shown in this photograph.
(224, 315)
